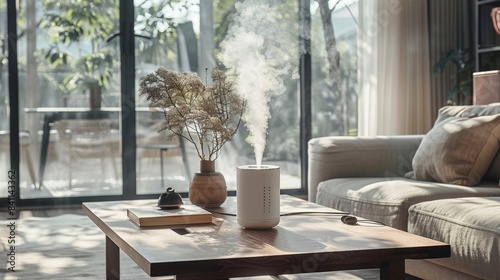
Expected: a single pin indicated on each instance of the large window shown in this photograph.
(334, 67)
(76, 72)
(68, 97)
(167, 35)
(254, 41)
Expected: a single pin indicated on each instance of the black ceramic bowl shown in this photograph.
(170, 199)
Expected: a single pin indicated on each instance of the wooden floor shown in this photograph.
(45, 212)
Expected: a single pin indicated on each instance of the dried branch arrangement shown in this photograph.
(207, 116)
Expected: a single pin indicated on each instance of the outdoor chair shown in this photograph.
(24, 145)
(152, 145)
(88, 138)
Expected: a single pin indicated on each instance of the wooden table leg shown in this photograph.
(393, 270)
(112, 260)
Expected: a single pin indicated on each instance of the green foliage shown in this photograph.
(224, 16)
(465, 68)
(62, 29)
(72, 26)
(91, 70)
(3, 50)
(3, 47)
(326, 107)
(157, 29)
(77, 20)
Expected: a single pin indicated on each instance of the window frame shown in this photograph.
(128, 136)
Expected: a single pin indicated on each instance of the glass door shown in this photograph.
(69, 96)
(198, 36)
(4, 103)
(166, 34)
(79, 83)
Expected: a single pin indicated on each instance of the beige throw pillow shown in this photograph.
(466, 111)
(458, 150)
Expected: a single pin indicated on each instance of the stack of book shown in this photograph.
(186, 214)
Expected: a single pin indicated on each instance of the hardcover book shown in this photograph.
(186, 214)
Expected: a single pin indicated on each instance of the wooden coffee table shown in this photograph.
(301, 243)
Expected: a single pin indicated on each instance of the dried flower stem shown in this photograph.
(190, 108)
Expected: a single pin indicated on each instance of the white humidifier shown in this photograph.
(258, 196)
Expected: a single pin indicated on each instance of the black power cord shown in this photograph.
(346, 218)
(286, 214)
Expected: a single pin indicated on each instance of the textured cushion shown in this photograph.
(470, 225)
(467, 111)
(426, 269)
(493, 172)
(458, 150)
(387, 199)
(344, 156)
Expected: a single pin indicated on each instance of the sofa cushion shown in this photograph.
(387, 199)
(361, 156)
(458, 150)
(425, 269)
(470, 225)
(493, 172)
(467, 111)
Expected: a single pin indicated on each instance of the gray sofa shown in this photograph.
(380, 178)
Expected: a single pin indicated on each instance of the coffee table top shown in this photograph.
(300, 243)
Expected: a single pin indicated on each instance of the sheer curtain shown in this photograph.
(394, 68)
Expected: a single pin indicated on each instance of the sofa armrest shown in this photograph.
(345, 156)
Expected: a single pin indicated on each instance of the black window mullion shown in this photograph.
(128, 116)
(13, 92)
(305, 87)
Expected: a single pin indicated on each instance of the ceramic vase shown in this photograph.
(208, 188)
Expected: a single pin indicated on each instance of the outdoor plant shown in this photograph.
(465, 68)
(77, 42)
(207, 116)
(466, 65)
